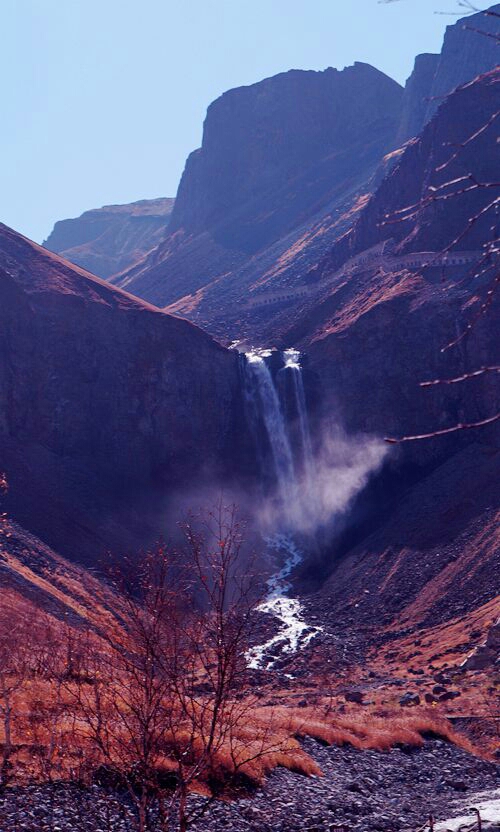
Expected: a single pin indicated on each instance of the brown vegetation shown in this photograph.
(152, 693)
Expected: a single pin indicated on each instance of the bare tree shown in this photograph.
(163, 699)
(15, 669)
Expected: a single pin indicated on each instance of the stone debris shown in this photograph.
(360, 791)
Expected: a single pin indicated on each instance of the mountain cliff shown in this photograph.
(375, 331)
(109, 240)
(274, 155)
(107, 405)
(285, 168)
(470, 48)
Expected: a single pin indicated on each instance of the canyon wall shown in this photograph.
(274, 155)
(107, 405)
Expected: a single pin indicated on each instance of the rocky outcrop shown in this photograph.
(417, 95)
(273, 153)
(274, 156)
(488, 654)
(108, 240)
(470, 48)
(413, 206)
(374, 336)
(107, 405)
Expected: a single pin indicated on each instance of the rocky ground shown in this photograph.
(360, 791)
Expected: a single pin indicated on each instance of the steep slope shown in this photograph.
(281, 175)
(414, 603)
(36, 579)
(416, 96)
(108, 240)
(274, 155)
(107, 405)
(437, 555)
(375, 329)
(470, 48)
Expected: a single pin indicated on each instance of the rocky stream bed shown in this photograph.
(360, 791)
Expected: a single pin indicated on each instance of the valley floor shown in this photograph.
(359, 791)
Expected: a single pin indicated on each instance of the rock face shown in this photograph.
(468, 50)
(488, 654)
(417, 95)
(436, 557)
(274, 155)
(275, 152)
(108, 240)
(374, 336)
(414, 206)
(285, 167)
(107, 405)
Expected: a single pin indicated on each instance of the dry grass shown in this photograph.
(268, 739)
(365, 731)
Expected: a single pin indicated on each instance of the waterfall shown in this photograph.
(292, 362)
(274, 426)
(277, 414)
(262, 388)
(311, 485)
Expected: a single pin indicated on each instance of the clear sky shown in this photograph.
(102, 100)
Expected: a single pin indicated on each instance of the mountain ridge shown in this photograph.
(107, 240)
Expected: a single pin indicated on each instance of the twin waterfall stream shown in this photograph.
(289, 458)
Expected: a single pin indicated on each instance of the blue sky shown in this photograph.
(102, 100)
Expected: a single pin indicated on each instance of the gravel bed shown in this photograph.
(360, 791)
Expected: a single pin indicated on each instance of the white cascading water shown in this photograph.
(292, 362)
(293, 633)
(262, 387)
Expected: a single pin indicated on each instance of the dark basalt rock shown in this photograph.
(401, 790)
(107, 405)
(488, 654)
(410, 699)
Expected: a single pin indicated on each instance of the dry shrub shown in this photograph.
(366, 731)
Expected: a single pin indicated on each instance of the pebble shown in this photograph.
(360, 790)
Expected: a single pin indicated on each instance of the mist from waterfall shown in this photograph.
(311, 483)
(315, 478)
